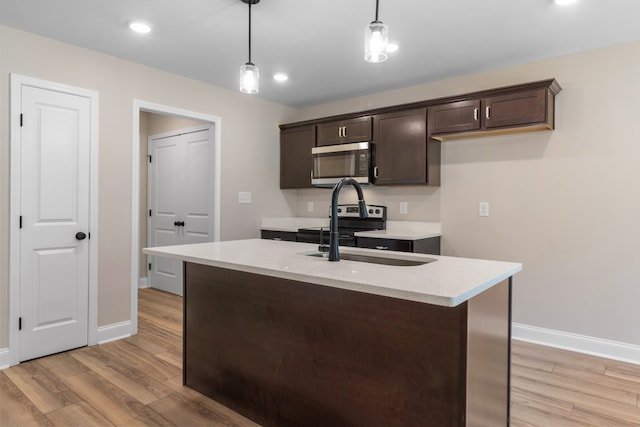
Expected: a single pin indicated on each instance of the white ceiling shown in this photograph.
(320, 43)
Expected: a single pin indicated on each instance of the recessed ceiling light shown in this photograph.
(280, 77)
(392, 47)
(140, 27)
(565, 2)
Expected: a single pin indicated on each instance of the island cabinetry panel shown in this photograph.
(357, 129)
(430, 245)
(402, 153)
(289, 353)
(296, 162)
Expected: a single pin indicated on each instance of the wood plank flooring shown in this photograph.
(138, 381)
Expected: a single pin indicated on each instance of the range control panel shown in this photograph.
(353, 211)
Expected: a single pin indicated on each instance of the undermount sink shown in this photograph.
(373, 259)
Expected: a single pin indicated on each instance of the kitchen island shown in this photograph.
(287, 338)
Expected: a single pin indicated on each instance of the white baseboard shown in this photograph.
(143, 282)
(115, 331)
(4, 358)
(583, 344)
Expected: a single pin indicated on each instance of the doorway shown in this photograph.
(138, 219)
(180, 197)
(53, 211)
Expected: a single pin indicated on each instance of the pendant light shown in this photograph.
(249, 77)
(376, 38)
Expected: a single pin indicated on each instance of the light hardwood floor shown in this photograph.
(138, 381)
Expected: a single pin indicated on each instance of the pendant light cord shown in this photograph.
(377, 1)
(250, 33)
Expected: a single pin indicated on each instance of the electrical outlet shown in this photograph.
(404, 208)
(244, 197)
(309, 206)
(483, 209)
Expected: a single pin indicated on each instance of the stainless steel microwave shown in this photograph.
(334, 162)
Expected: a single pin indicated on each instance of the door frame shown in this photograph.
(151, 107)
(17, 81)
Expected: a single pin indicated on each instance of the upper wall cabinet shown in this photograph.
(295, 156)
(406, 138)
(402, 152)
(344, 131)
(520, 108)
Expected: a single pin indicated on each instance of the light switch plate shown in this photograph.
(244, 197)
(404, 208)
(483, 209)
(309, 206)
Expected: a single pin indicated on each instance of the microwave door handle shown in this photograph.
(375, 171)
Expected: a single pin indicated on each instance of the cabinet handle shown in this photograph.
(278, 239)
(487, 112)
(375, 171)
(382, 247)
(340, 131)
(475, 114)
(311, 173)
(344, 131)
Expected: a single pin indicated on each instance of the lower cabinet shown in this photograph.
(289, 236)
(424, 246)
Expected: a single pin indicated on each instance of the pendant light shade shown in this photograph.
(249, 75)
(249, 78)
(376, 39)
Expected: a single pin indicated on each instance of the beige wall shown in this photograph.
(153, 124)
(564, 203)
(250, 152)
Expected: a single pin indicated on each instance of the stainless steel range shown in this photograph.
(348, 224)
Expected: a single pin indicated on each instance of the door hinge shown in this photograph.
(89, 234)
(20, 221)
(149, 156)
(149, 266)
(21, 119)
(19, 323)
(149, 212)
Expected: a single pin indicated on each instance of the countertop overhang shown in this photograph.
(447, 281)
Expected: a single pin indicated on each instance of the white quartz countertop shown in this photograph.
(446, 281)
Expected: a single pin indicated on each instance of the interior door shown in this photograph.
(180, 199)
(54, 206)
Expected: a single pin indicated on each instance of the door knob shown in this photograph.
(80, 235)
(179, 223)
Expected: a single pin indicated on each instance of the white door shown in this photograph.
(180, 198)
(54, 209)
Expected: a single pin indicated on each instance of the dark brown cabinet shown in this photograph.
(295, 156)
(402, 152)
(405, 139)
(516, 109)
(527, 107)
(344, 131)
(289, 236)
(457, 116)
(429, 245)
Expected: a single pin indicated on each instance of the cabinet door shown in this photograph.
(457, 116)
(400, 148)
(329, 133)
(356, 130)
(516, 109)
(345, 131)
(295, 157)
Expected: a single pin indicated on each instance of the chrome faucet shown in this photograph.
(334, 255)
